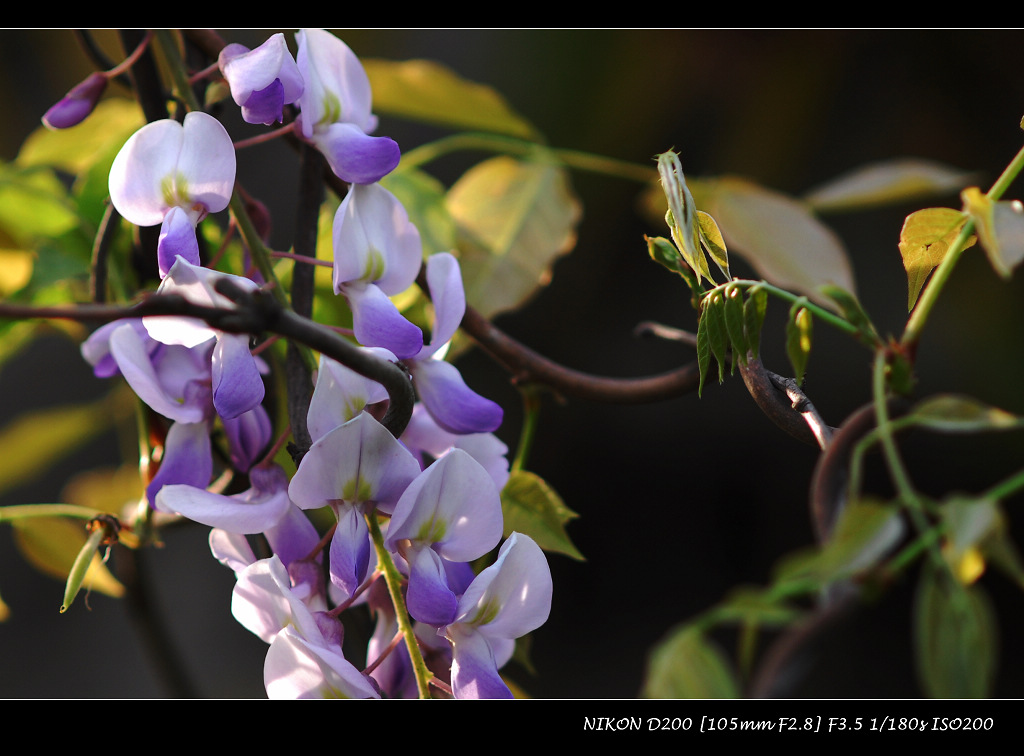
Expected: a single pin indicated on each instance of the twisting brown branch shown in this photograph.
(255, 313)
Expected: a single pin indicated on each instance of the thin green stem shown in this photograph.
(925, 303)
(531, 411)
(394, 581)
(900, 477)
(583, 161)
(26, 511)
(1006, 488)
(817, 311)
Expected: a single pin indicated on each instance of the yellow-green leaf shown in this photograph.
(956, 638)
(953, 413)
(426, 91)
(688, 665)
(886, 182)
(714, 243)
(76, 149)
(777, 235)
(532, 507)
(35, 440)
(924, 241)
(798, 340)
(51, 545)
(15, 270)
(34, 203)
(1000, 226)
(514, 218)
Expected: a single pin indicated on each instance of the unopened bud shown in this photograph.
(77, 104)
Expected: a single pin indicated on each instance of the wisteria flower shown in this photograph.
(174, 174)
(262, 80)
(439, 384)
(336, 110)
(237, 385)
(510, 598)
(377, 254)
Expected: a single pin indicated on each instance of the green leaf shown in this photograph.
(755, 606)
(798, 340)
(1000, 226)
(530, 506)
(52, 544)
(711, 238)
(682, 214)
(924, 241)
(754, 310)
(423, 198)
(885, 183)
(77, 149)
(34, 203)
(425, 91)
(514, 219)
(865, 533)
(718, 339)
(778, 236)
(688, 665)
(851, 309)
(953, 413)
(956, 638)
(733, 296)
(664, 252)
(35, 440)
(703, 350)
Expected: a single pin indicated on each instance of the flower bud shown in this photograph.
(77, 104)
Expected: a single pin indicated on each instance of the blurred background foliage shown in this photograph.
(679, 501)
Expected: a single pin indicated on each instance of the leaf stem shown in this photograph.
(819, 312)
(583, 161)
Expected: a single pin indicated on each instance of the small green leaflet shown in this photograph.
(924, 241)
(798, 340)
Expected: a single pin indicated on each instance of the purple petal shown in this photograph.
(187, 459)
(474, 671)
(133, 358)
(377, 322)
(355, 157)
(146, 159)
(177, 237)
(429, 598)
(237, 385)
(350, 549)
(248, 435)
(449, 298)
(77, 104)
(247, 513)
(265, 106)
(455, 407)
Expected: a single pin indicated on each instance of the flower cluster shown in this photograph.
(434, 492)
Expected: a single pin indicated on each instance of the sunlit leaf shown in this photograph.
(426, 91)
(51, 545)
(713, 242)
(688, 665)
(886, 182)
(34, 203)
(956, 638)
(35, 440)
(924, 241)
(15, 270)
(423, 198)
(682, 217)
(778, 236)
(953, 413)
(703, 352)
(1000, 227)
(514, 219)
(532, 507)
(798, 340)
(664, 252)
(77, 149)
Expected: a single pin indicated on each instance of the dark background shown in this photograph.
(682, 500)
